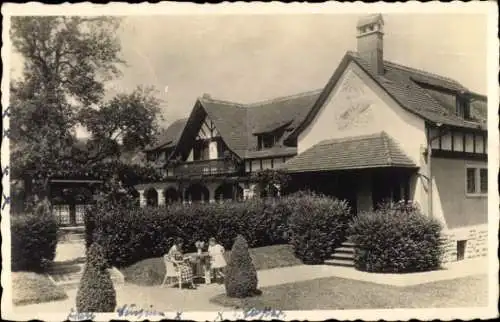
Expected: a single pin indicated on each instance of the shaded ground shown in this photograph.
(151, 271)
(32, 288)
(338, 293)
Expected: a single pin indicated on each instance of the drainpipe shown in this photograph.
(429, 173)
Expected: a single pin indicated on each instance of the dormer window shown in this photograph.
(266, 141)
(463, 107)
(153, 156)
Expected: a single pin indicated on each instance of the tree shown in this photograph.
(67, 61)
(241, 275)
(96, 292)
(269, 181)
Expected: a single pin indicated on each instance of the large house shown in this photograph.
(377, 131)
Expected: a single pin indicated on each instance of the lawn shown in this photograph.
(32, 288)
(152, 270)
(338, 294)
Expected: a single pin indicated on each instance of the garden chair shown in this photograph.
(171, 272)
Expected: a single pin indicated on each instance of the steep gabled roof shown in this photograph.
(279, 111)
(284, 113)
(231, 122)
(169, 136)
(410, 88)
(239, 124)
(360, 152)
(417, 91)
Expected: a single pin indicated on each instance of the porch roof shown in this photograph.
(361, 152)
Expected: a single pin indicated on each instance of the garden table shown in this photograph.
(201, 266)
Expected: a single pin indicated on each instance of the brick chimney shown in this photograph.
(370, 36)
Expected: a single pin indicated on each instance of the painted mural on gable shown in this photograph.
(352, 103)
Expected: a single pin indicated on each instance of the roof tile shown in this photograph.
(411, 88)
(370, 151)
(169, 136)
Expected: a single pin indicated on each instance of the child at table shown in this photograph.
(216, 253)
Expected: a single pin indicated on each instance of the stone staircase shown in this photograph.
(71, 235)
(342, 256)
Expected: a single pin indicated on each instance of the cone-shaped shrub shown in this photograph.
(241, 276)
(96, 292)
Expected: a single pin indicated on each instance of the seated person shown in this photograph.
(176, 256)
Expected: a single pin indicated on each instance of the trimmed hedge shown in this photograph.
(317, 226)
(397, 238)
(130, 234)
(33, 239)
(241, 276)
(133, 234)
(96, 292)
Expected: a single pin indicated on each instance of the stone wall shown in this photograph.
(476, 244)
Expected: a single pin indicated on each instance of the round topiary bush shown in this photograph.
(317, 225)
(397, 238)
(96, 292)
(241, 275)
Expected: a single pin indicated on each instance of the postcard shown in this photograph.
(250, 161)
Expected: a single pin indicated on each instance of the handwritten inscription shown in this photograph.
(178, 316)
(80, 316)
(6, 112)
(6, 200)
(133, 310)
(219, 317)
(6, 133)
(264, 313)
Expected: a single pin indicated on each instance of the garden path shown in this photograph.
(173, 299)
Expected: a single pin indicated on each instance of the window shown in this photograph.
(201, 150)
(477, 181)
(221, 149)
(483, 180)
(266, 141)
(62, 214)
(461, 245)
(463, 107)
(80, 214)
(471, 180)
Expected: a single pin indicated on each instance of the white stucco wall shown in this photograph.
(359, 106)
(451, 204)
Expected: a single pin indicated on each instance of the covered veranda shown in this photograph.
(365, 171)
(189, 190)
(363, 189)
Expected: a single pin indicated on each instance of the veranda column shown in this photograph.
(161, 196)
(142, 199)
(249, 192)
(278, 190)
(211, 192)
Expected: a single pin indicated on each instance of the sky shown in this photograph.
(249, 58)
